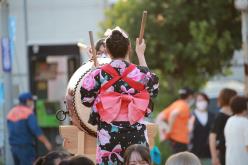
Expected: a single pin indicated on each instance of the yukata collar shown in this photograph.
(119, 63)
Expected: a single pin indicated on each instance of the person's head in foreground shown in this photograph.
(225, 97)
(137, 154)
(52, 158)
(239, 105)
(183, 158)
(117, 44)
(77, 160)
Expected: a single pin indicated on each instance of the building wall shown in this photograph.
(63, 21)
(20, 70)
(46, 22)
(42, 22)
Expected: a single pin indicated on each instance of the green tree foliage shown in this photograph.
(188, 41)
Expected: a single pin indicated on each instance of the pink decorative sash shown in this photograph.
(114, 106)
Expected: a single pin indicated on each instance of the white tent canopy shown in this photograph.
(213, 87)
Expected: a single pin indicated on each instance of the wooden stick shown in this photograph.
(142, 26)
(93, 48)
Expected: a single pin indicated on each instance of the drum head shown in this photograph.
(77, 111)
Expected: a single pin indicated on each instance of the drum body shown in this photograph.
(77, 111)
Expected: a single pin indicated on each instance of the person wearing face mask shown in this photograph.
(23, 128)
(201, 125)
(101, 48)
(176, 116)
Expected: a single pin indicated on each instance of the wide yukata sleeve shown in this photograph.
(151, 82)
(89, 90)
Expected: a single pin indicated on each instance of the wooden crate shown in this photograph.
(79, 143)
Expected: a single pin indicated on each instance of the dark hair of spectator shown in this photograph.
(100, 43)
(140, 149)
(225, 96)
(77, 160)
(185, 92)
(204, 96)
(49, 159)
(239, 104)
(117, 44)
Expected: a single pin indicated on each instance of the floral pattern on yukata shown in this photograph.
(115, 137)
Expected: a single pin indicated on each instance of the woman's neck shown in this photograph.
(126, 58)
(226, 110)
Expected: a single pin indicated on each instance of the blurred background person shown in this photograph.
(101, 48)
(202, 122)
(216, 137)
(183, 158)
(23, 128)
(176, 116)
(236, 133)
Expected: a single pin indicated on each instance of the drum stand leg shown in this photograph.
(77, 142)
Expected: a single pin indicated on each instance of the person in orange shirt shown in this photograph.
(174, 121)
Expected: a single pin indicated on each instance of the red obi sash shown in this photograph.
(114, 106)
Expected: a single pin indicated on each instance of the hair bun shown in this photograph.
(116, 35)
(117, 44)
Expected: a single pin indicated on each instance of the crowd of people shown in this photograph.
(136, 154)
(216, 139)
(222, 138)
(120, 95)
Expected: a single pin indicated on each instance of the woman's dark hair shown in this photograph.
(238, 104)
(77, 160)
(117, 44)
(225, 96)
(141, 149)
(204, 96)
(100, 43)
(49, 159)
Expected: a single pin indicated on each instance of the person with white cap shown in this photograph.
(23, 129)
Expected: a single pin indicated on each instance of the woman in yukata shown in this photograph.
(120, 96)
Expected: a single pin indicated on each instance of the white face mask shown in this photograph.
(201, 105)
(103, 55)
